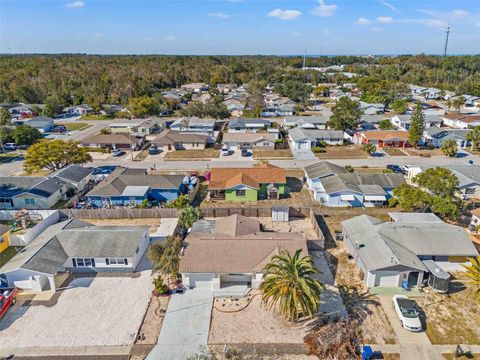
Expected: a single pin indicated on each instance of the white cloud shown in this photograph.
(284, 14)
(362, 21)
(75, 4)
(384, 19)
(170, 38)
(387, 4)
(219, 15)
(324, 10)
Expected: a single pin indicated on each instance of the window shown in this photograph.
(240, 192)
(30, 201)
(83, 262)
(469, 191)
(116, 261)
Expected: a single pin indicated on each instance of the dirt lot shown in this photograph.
(343, 152)
(272, 154)
(192, 154)
(152, 224)
(417, 152)
(300, 225)
(453, 318)
(104, 310)
(395, 152)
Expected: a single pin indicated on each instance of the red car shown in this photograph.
(7, 299)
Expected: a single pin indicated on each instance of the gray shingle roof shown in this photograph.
(242, 123)
(73, 173)
(298, 134)
(38, 185)
(323, 168)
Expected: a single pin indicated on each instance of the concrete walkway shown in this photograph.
(428, 352)
(185, 326)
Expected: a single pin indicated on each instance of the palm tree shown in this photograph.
(474, 136)
(449, 147)
(188, 215)
(473, 272)
(165, 256)
(458, 102)
(449, 104)
(290, 283)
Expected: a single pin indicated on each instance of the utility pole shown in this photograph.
(446, 41)
(304, 59)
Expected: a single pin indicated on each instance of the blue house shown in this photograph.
(132, 186)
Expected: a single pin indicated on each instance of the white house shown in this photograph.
(78, 110)
(402, 253)
(402, 122)
(43, 124)
(460, 121)
(244, 125)
(437, 136)
(306, 122)
(300, 138)
(259, 141)
(228, 255)
(76, 247)
(372, 109)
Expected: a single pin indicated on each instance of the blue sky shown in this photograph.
(239, 26)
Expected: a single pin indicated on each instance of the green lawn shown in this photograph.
(7, 156)
(96, 117)
(74, 126)
(6, 255)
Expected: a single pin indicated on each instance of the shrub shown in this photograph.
(159, 287)
(349, 168)
(318, 149)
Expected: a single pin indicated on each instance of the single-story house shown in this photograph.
(417, 90)
(402, 122)
(461, 121)
(114, 141)
(78, 110)
(31, 192)
(132, 186)
(381, 138)
(468, 177)
(193, 124)
(169, 140)
(195, 87)
(371, 122)
(428, 109)
(226, 88)
(400, 254)
(436, 136)
(247, 184)
(76, 247)
(146, 127)
(306, 122)
(43, 124)
(306, 138)
(471, 100)
(372, 109)
(256, 141)
(332, 185)
(227, 255)
(433, 94)
(75, 175)
(242, 125)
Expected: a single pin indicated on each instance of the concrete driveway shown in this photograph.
(185, 326)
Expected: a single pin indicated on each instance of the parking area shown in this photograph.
(92, 311)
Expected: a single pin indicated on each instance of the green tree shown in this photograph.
(255, 101)
(457, 103)
(345, 114)
(6, 135)
(26, 135)
(439, 181)
(473, 272)
(179, 203)
(417, 126)
(143, 106)
(385, 124)
(165, 256)
(369, 148)
(296, 90)
(52, 106)
(474, 137)
(5, 117)
(399, 106)
(412, 198)
(448, 207)
(188, 215)
(449, 147)
(54, 155)
(290, 283)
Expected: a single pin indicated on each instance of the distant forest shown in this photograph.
(73, 79)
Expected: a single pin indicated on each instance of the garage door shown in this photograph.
(201, 280)
(236, 278)
(386, 279)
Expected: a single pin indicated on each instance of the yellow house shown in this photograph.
(4, 232)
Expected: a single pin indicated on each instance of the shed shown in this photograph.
(280, 213)
(438, 279)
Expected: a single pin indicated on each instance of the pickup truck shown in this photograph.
(7, 299)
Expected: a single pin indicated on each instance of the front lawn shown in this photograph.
(96, 117)
(74, 126)
(6, 157)
(395, 151)
(6, 255)
(272, 154)
(342, 152)
(192, 154)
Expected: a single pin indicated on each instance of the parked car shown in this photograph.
(117, 152)
(7, 299)
(225, 151)
(405, 169)
(59, 129)
(10, 146)
(407, 313)
(395, 168)
(245, 152)
(152, 150)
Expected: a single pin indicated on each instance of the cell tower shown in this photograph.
(446, 41)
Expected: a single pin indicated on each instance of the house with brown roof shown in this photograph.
(114, 141)
(247, 184)
(170, 140)
(381, 138)
(228, 254)
(461, 121)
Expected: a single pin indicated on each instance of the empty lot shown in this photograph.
(105, 310)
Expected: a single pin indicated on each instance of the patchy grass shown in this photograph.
(273, 154)
(74, 126)
(192, 154)
(6, 255)
(96, 117)
(395, 152)
(342, 152)
(453, 318)
(424, 153)
(452, 357)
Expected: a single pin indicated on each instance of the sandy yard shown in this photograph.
(453, 318)
(104, 310)
(300, 225)
(254, 324)
(152, 223)
(153, 320)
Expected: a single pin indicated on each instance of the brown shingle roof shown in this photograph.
(226, 178)
(172, 137)
(464, 118)
(119, 138)
(386, 135)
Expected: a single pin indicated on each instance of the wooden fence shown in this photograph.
(120, 213)
(252, 212)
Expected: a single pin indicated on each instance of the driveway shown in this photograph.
(303, 154)
(185, 326)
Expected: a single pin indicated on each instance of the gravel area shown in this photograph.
(300, 225)
(104, 310)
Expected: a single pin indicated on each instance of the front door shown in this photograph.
(413, 279)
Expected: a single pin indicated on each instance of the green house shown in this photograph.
(247, 184)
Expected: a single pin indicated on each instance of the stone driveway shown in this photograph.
(185, 326)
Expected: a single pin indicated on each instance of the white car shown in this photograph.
(407, 313)
(225, 151)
